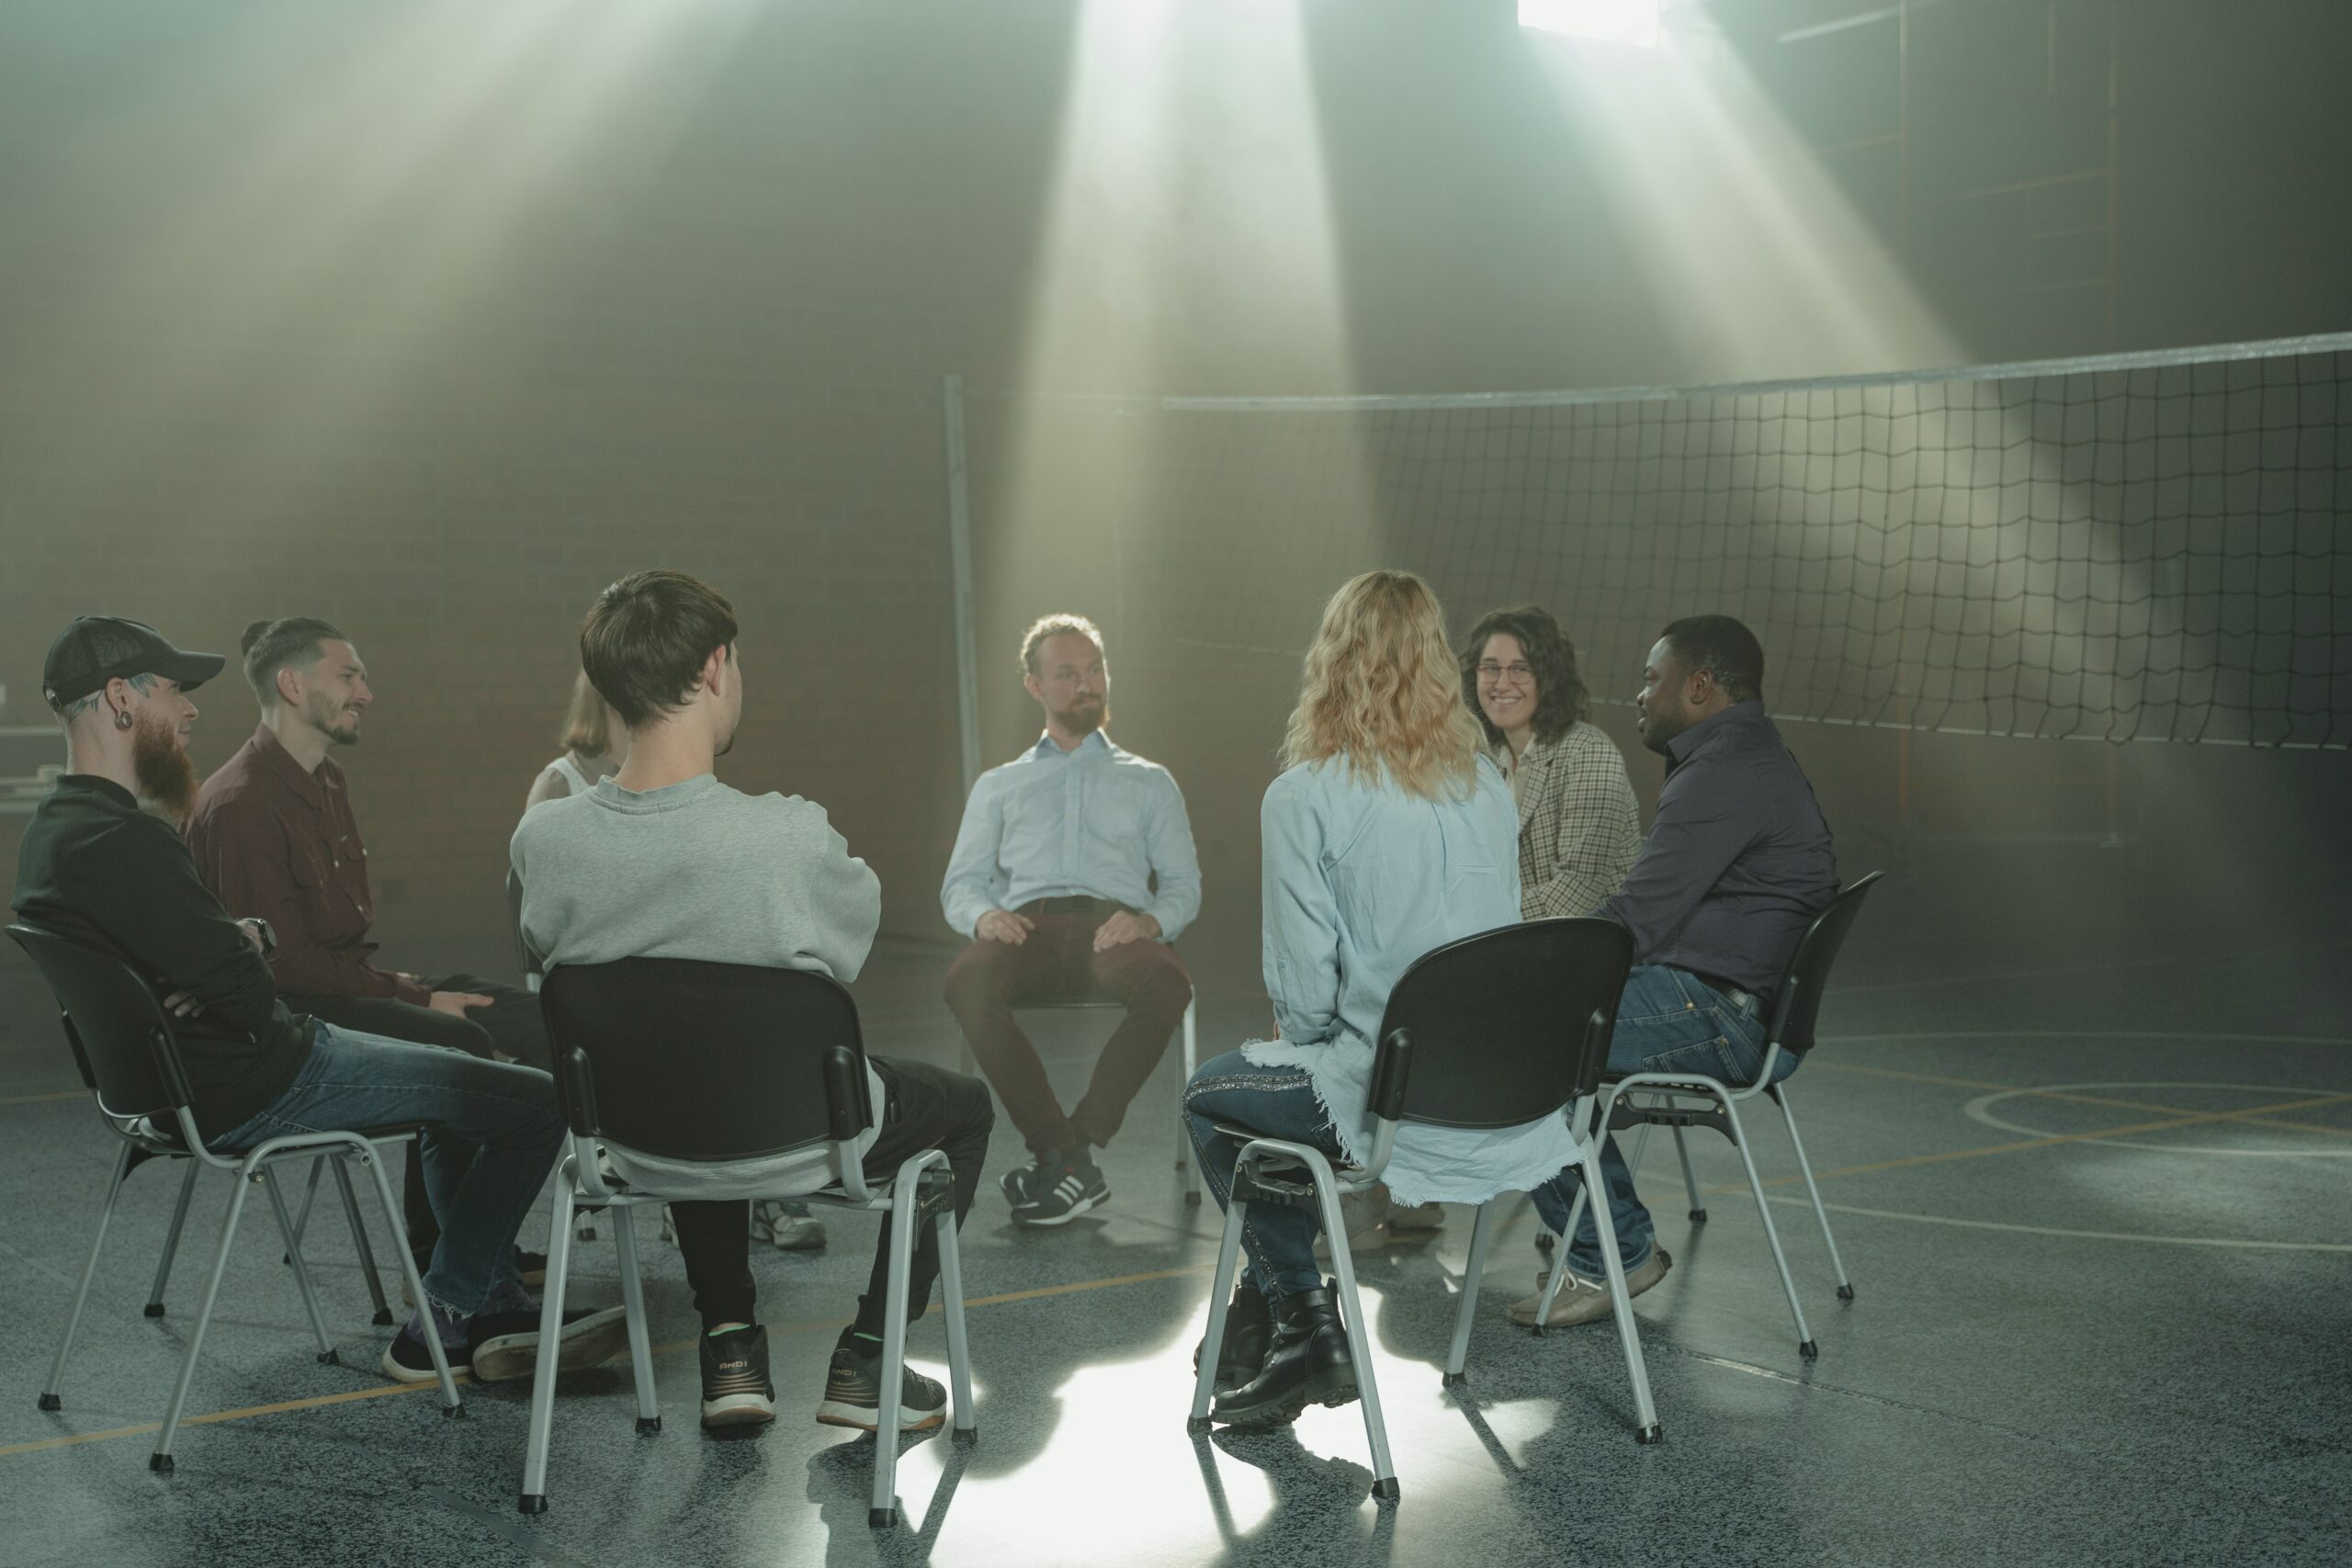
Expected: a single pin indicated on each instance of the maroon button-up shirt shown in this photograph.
(273, 841)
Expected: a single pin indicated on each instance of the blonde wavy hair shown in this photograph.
(1381, 691)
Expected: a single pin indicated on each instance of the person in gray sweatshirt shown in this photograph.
(662, 861)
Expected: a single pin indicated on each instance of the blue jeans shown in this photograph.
(1277, 1103)
(494, 1139)
(1667, 1021)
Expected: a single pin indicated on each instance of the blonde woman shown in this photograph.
(1578, 827)
(1388, 833)
(591, 730)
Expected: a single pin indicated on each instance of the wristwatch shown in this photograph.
(263, 929)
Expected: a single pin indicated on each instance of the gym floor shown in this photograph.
(2083, 1142)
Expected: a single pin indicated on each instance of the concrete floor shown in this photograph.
(2085, 1157)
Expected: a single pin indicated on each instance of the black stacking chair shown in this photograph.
(1682, 1100)
(720, 1062)
(1494, 1031)
(123, 1043)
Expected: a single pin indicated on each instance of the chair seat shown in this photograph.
(1698, 1082)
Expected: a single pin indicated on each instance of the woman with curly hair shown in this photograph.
(1387, 834)
(1578, 827)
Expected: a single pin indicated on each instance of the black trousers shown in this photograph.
(510, 1025)
(923, 1107)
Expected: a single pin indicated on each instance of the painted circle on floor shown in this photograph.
(2322, 1142)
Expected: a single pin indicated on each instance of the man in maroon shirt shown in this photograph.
(274, 836)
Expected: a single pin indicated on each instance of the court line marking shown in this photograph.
(2095, 968)
(2079, 1234)
(348, 1396)
(1947, 1156)
(44, 1099)
(2059, 1092)
(1980, 1111)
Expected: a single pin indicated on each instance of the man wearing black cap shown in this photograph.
(96, 868)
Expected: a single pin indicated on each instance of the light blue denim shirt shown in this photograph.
(1097, 821)
(1360, 879)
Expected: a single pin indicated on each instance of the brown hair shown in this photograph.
(291, 644)
(1378, 691)
(1561, 698)
(644, 644)
(1045, 627)
(585, 728)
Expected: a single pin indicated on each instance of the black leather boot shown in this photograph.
(1308, 1364)
(1249, 1330)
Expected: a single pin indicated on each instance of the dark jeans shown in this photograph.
(510, 1025)
(1669, 1020)
(1059, 959)
(923, 1107)
(1274, 1102)
(493, 1140)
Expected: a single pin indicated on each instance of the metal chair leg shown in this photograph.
(640, 1343)
(301, 1268)
(1184, 1161)
(161, 1460)
(1805, 1345)
(48, 1392)
(1690, 1181)
(1780, 1094)
(1375, 1426)
(302, 1215)
(171, 1241)
(1471, 1274)
(450, 1404)
(383, 1318)
(532, 1498)
(1647, 1428)
(960, 1349)
(1229, 1255)
(882, 1509)
(1559, 1274)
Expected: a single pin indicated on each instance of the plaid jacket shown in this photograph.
(1579, 826)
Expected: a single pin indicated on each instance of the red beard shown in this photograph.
(165, 775)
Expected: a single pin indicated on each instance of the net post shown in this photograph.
(959, 546)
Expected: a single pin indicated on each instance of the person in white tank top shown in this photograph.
(590, 730)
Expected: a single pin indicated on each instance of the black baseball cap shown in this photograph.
(96, 649)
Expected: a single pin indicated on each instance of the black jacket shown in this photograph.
(95, 867)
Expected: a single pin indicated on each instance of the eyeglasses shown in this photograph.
(1518, 674)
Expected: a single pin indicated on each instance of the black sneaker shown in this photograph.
(1060, 1193)
(532, 1266)
(407, 1361)
(505, 1345)
(853, 1395)
(735, 1388)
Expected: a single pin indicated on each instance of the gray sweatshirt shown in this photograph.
(697, 870)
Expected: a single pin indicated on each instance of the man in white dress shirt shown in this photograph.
(1072, 871)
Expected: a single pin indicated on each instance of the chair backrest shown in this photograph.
(121, 1038)
(1499, 1028)
(689, 1060)
(1797, 1003)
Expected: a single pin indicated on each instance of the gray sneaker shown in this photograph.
(788, 1225)
(1585, 1301)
